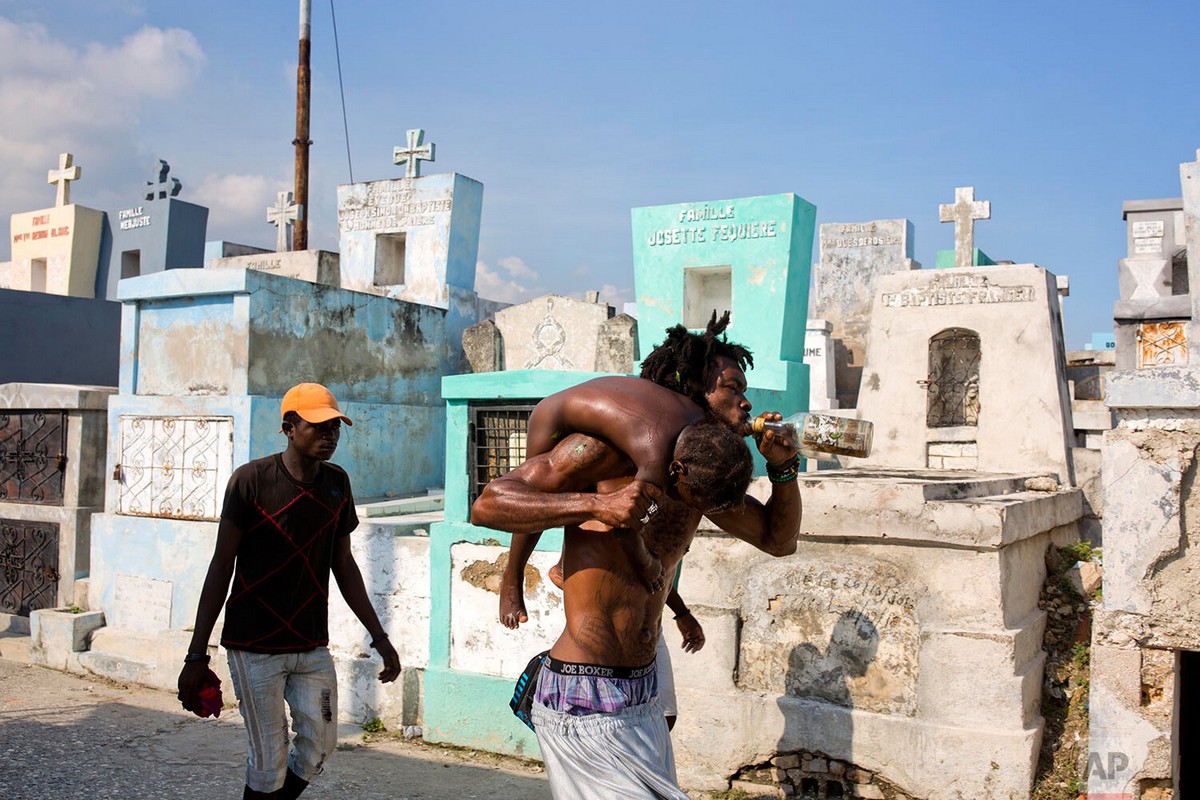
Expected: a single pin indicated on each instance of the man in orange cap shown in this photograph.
(284, 527)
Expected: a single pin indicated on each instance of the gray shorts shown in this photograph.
(625, 754)
(666, 678)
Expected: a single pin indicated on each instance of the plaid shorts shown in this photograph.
(578, 689)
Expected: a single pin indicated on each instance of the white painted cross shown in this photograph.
(416, 153)
(160, 187)
(963, 212)
(63, 176)
(282, 216)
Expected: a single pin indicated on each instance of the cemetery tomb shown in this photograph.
(940, 383)
(55, 250)
(1143, 699)
(157, 232)
(52, 452)
(413, 238)
(853, 256)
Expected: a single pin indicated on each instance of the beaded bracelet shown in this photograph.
(383, 637)
(785, 473)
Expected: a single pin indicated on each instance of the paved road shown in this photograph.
(66, 738)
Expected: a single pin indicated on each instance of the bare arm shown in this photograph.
(212, 597)
(349, 580)
(773, 528)
(559, 488)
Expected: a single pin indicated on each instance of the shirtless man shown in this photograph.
(688, 378)
(600, 728)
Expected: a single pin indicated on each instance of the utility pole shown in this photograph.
(302, 142)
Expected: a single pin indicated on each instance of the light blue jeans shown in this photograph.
(307, 684)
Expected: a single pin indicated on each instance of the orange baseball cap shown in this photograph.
(313, 402)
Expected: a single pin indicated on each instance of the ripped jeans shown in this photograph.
(306, 682)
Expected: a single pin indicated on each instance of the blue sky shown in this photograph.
(571, 115)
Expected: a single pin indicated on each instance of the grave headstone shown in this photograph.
(750, 256)
(963, 212)
(161, 232)
(314, 266)
(853, 256)
(938, 382)
(1151, 317)
(413, 238)
(819, 358)
(56, 250)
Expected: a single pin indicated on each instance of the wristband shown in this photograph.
(786, 472)
(378, 640)
(687, 612)
(196, 658)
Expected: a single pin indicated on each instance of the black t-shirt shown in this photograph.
(279, 601)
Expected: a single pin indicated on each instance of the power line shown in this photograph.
(345, 122)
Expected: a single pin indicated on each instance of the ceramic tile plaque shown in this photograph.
(1162, 344)
(174, 467)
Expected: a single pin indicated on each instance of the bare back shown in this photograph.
(638, 417)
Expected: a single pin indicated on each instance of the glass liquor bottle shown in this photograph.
(822, 436)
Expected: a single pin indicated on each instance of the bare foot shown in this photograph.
(556, 575)
(653, 575)
(512, 602)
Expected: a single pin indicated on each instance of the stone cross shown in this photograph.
(282, 215)
(416, 153)
(963, 212)
(159, 186)
(63, 176)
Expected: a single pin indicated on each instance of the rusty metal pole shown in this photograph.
(302, 142)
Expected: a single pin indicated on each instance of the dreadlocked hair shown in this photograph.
(686, 362)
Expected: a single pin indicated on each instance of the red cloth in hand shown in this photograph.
(210, 696)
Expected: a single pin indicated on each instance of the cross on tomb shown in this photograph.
(416, 153)
(963, 212)
(282, 215)
(66, 172)
(160, 187)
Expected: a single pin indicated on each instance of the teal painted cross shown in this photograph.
(963, 212)
(416, 153)
(63, 176)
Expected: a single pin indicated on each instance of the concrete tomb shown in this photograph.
(966, 370)
(853, 256)
(750, 256)
(52, 455)
(1145, 668)
(160, 232)
(314, 266)
(412, 238)
(55, 250)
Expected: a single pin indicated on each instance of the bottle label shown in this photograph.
(829, 434)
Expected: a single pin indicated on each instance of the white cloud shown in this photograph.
(489, 283)
(517, 269)
(55, 98)
(616, 296)
(237, 206)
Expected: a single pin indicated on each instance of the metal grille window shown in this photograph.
(33, 446)
(28, 566)
(496, 442)
(953, 382)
